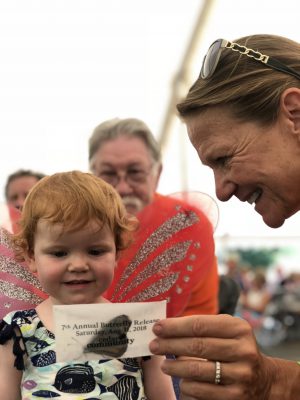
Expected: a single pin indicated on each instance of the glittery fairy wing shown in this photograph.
(19, 288)
(201, 201)
(168, 256)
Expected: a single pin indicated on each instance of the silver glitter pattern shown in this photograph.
(160, 265)
(161, 286)
(10, 266)
(18, 270)
(15, 292)
(5, 238)
(178, 290)
(170, 227)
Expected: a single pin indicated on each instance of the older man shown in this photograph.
(172, 256)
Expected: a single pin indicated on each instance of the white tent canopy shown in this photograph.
(67, 66)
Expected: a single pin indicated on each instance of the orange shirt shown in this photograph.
(172, 257)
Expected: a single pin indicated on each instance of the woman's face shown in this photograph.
(256, 164)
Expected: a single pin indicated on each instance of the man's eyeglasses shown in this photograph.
(212, 57)
(133, 176)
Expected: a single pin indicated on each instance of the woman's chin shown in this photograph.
(273, 221)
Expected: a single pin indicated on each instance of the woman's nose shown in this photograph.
(225, 188)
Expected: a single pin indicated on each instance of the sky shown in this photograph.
(68, 65)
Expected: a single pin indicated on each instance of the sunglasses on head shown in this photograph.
(212, 57)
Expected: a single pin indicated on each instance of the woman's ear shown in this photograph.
(290, 106)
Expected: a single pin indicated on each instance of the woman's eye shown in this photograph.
(222, 161)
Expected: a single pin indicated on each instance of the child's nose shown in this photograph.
(78, 263)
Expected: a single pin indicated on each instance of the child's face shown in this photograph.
(74, 267)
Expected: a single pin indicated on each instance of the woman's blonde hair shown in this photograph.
(72, 199)
(249, 89)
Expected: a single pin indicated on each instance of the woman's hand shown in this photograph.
(200, 341)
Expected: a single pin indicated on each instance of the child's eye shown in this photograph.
(59, 253)
(96, 252)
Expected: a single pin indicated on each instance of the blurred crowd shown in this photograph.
(271, 306)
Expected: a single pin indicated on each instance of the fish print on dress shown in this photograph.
(125, 388)
(78, 378)
(44, 378)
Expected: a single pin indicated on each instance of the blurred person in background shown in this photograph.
(254, 300)
(258, 295)
(18, 185)
(19, 288)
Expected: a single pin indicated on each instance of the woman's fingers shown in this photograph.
(237, 380)
(205, 371)
(220, 326)
(208, 348)
(193, 390)
(221, 338)
(232, 342)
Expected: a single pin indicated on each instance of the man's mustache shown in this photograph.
(133, 201)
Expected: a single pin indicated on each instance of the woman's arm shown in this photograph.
(10, 377)
(245, 372)
(158, 386)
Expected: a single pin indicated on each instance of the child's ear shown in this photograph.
(30, 261)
